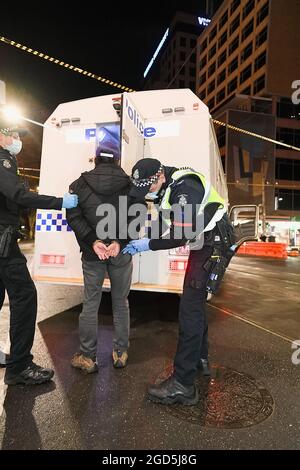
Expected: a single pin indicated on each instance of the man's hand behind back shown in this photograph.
(104, 252)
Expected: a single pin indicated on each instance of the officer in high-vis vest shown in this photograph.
(185, 187)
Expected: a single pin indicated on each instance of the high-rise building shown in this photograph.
(247, 63)
(173, 64)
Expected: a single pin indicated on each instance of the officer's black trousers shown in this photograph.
(193, 331)
(21, 291)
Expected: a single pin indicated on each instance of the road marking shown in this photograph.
(260, 275)
(257, 325)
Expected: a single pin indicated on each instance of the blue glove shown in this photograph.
(137, 246)
(70, 201)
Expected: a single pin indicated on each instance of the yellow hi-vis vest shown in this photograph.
(210, 196)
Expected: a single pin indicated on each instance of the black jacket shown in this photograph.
(187, 190)
(102, 185)
(14, 195)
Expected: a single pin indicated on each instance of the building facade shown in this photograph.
(247, 63)
(173, 64)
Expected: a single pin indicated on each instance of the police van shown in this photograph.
(173, 126)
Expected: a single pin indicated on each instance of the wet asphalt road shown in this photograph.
(252, 323)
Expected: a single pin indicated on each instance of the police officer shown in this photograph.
(182, 187)
(14, 275)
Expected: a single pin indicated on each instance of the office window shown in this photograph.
(233, 45)
(262, 14)
(213, 34)
(248, 8)
(182, 42)
(211, 69)
(221, 95)
(286, 109)
(245, 74)
(202, 79)
(211, 87)
(222, 58)
(221, 136)
(285, 135)
(288, 136)
(223, 19)
(246, 91)
(203, 62)
(211, 103)
(203, 45)
(193, 58)
(192, 85)
(232, 85)
(261, 37)
(212, 52)
(260, 61)
(246, 52)
(287, 169)
(234, 24)
(192, 71)
(233, 65)
(182, 55)
(202, 95)
(192, 43)
(259, 84)
(288, 199)
(235, 4)
(221, 77)
(181, 84)
(247, 30)
(222, 39)
(261, 106)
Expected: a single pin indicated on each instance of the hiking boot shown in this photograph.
(170, 391)
(119, 358)
(33, 374)
(87, 364)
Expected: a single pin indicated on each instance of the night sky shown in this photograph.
(112, 39)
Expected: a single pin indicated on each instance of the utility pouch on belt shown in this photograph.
(217, 271)
(7, 237)
(224, 249)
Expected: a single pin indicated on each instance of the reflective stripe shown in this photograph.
(210, 196)
(181, 224)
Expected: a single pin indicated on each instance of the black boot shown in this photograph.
(204, 367)
(171, 391)
(32, 375)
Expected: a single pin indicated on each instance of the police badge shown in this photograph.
(136, 174)
(182, 200)
(6, 164)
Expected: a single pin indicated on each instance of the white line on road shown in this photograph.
(260, 275)
(257, 325)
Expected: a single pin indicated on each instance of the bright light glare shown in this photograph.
(12, 113)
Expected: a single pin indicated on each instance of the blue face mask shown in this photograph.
(152, 196)
(15, 147)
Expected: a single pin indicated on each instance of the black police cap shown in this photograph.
(144, 173)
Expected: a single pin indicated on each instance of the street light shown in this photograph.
(12, 113)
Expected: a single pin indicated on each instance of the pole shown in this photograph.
(264, 166)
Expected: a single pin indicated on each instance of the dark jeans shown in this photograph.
(119, 270)
(16, 280)
(193, 331)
